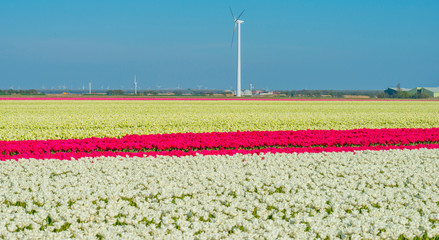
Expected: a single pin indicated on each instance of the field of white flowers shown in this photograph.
(21, 120)
(363, 195)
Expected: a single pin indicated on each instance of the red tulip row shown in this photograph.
(219, 143)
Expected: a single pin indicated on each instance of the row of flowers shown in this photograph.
(42, 120)
(367, 195)
(223, 143)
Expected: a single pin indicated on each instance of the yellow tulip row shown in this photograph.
(21, 120)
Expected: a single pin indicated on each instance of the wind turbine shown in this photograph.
(135, 85)
(238, 77)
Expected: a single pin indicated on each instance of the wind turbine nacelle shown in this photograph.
(239, 21)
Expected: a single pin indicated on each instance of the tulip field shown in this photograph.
(23, 120)
(214, 169)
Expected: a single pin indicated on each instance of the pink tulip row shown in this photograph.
(219, 143)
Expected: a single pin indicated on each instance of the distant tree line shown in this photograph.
(115, 92)
(329, 93)
(288, 93)
(21, 92)
(140, 93)
(178, 92)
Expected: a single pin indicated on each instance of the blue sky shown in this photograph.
(285, 44)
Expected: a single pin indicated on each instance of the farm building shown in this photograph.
(430, 91)
(391, 91)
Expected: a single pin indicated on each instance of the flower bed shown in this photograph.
(219, 176)
(217, 143)
(366, 195)
(42, 120)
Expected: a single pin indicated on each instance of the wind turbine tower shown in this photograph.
(135, 85)
(238, 22)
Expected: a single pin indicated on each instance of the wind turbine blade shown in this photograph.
(233, 36)
(240, 14)
(234, 19)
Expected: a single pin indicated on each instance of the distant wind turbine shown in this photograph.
(238, 22)
(135, 85)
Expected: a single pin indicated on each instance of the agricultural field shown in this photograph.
(21, 120)
(219, 169)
